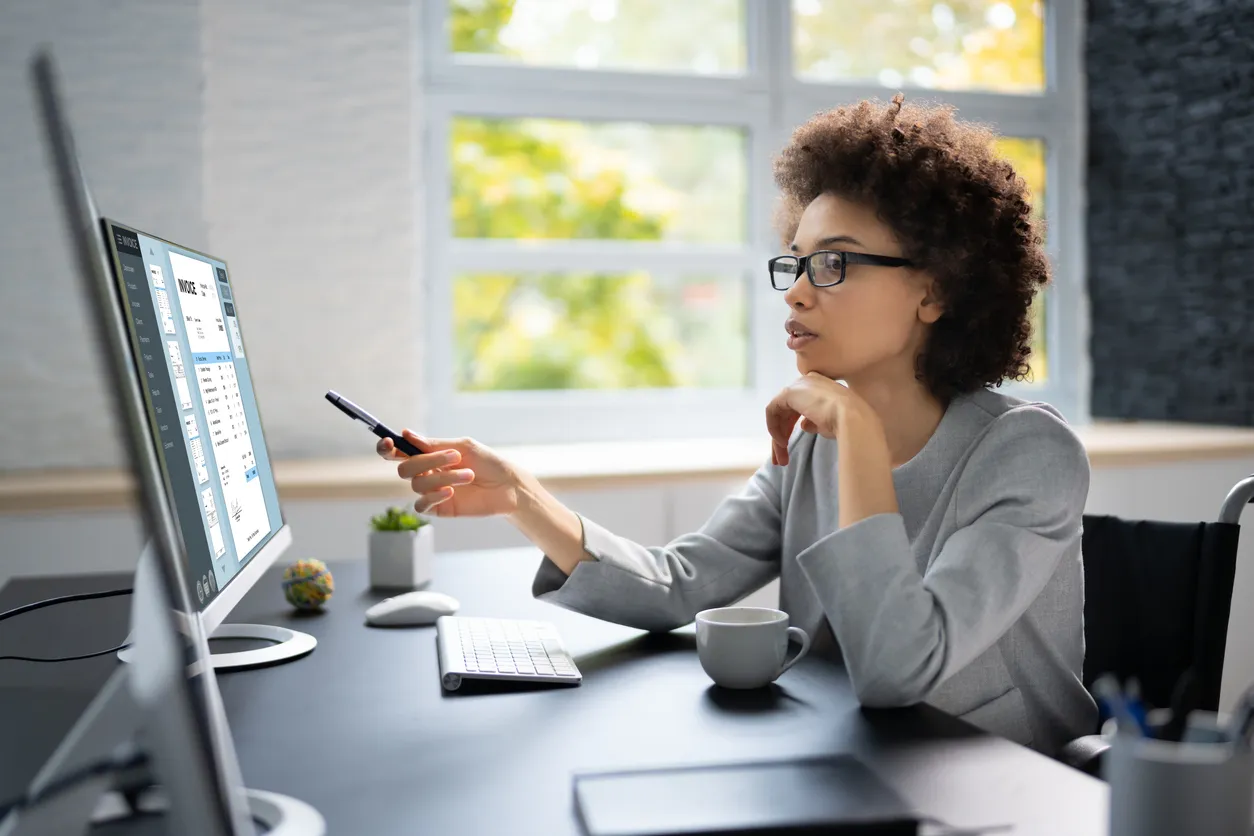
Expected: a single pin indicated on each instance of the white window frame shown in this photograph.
(767, 102)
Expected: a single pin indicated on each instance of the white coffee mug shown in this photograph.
(746, 647)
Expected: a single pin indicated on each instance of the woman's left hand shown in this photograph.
(819, 402)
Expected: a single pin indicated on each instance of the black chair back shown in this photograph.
(1157, 599)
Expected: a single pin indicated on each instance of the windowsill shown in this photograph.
(594, 466)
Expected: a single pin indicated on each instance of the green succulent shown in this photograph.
(397, 519)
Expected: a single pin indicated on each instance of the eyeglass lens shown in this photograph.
(825, 267)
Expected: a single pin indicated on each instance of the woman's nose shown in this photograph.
(801, 294)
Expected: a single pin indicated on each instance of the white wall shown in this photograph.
(310, 193)
(279, 136)
(131, 74)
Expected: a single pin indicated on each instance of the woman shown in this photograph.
(925, 529)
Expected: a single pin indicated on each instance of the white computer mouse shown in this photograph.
(421, 606)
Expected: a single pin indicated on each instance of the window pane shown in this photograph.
(959, 45)
(705, 38)
(1039, 361)
(553, 179)
(1028, 158)
(599, 331)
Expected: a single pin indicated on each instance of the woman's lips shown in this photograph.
(798, 335)
(796, 341)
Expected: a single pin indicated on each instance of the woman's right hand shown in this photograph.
(462, 478)
(455, 477)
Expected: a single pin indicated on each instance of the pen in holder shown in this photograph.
(1203, 783)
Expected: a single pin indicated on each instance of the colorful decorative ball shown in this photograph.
(307, 584)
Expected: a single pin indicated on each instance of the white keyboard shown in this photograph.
(501, 649)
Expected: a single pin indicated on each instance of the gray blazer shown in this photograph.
(971, 598)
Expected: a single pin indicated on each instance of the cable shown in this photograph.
(39, 605)
(126, 756)
(122, 646)
(81, 596)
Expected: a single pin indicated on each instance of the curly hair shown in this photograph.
(961, 212)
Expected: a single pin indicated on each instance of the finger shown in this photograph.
(779, 453)
(426, 443)
(422, 443)
(780, 420)
(437, 479)
(428, 501)
(427, 462)
(387, 448)
(779, 449)
(808, 426)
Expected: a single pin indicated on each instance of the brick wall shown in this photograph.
(1171, 209)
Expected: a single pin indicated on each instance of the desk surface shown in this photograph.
(39, 702)
(362, 729)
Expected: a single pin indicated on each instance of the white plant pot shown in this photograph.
(401, 559)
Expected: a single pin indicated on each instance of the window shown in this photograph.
(998, 46)
(597, 193)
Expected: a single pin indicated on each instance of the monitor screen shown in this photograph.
(190, 353)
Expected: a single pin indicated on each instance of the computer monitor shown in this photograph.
(171, 694)
(188, 346)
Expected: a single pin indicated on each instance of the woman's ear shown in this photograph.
(930, 307)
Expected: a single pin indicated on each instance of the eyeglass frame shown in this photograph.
(846, 258)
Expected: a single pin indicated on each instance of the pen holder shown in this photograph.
(1201, 784)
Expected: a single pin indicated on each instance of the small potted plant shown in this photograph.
(402, 545)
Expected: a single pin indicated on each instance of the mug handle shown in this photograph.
(804, 639)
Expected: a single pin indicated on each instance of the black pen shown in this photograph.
(1183, 702)
(376, 426)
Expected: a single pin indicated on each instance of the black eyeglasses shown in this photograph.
(824, 267)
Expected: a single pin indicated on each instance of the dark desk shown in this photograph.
(38, 702)
(361, 728)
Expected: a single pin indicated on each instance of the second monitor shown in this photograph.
(189, 351)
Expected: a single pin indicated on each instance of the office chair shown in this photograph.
(1157, 599)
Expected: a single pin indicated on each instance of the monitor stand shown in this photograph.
(287, 645)
(111, 718)
(279, 815)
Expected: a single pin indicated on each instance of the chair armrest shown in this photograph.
(1085, 754)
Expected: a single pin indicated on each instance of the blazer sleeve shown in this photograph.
(664, 587)
(1018, 503)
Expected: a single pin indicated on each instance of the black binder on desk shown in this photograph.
(836, 795)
